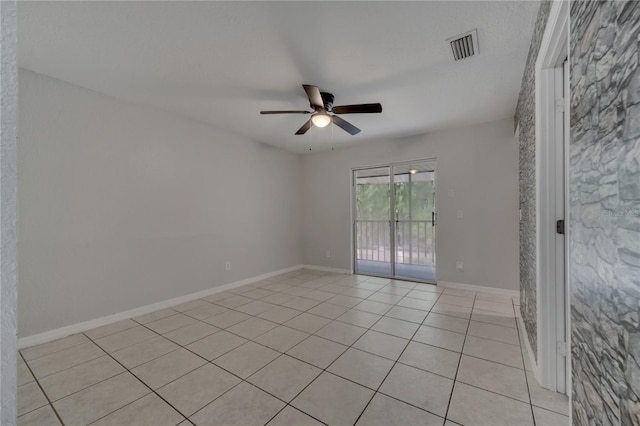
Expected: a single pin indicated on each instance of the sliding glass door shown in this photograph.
(395, 219)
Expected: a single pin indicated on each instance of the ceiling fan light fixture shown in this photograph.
(321, 120)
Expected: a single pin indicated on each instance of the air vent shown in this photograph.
(464, 45)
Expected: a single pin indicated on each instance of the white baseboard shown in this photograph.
(532, 359)
(327, 269)
(47, 336)
(472, 287)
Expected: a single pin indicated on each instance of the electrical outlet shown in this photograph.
(327, 253)
(459, 266)
(227, 265)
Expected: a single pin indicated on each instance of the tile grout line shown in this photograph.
(455, 378)
(332, 282)
(396, 362)
(43, 393)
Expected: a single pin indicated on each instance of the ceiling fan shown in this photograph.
(322, 104)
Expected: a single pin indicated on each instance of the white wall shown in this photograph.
(8, 184)
(122, 206)
(478, 163)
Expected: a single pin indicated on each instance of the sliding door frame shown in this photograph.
(392, 228)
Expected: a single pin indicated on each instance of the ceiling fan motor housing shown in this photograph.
(327, 99)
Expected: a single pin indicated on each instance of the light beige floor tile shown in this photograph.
(333, 400)
(190, 333)
(192, 304)
(357, 292)
(217, 344)
(441, 338)
(396, 327)
(298, 291)
(494, 297)
(290, 416)
(430, 358)
(447, 322)
(149, 410)
(198, 388)
(459, 292)
(549, 418)
(43, 416)
(429, 287)
(505, 308)
(145, 351)
(545, 398)
(115, 342)
(317, 351)
(279, 314)
(494, 332)
(466, 302)
(422, 305)
(80, 377)
(423, 295)
(497, 318)
(341, 332)
(385, 411)
(346, 301)
(255, 308)
(452, 310)
(24, 375)
(470, 405)
(167, 368)
(301, 303)
(154, 316)
(30, 397)
(53, 346)
(171, 323)
(258, 293)
(381, 344)
(90, 404)
(252, 327)
(395, 290)
(234, 301)
(328, 310)
(406, 314)
(113, 328)
(218, 296)
(390, 299)
(320, 295)
(361, 367)
(244, 405)
(246, 359)
(376, 280)
(307, 322)
(285, 377)
(64, 359)
(498, 378)
(278, 298)
(420, 388)
(359, 318)
(281, 338)
(206, 311)
(227, 319)
(491, 350)
(372, 307)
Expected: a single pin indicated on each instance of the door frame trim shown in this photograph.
(550, 141)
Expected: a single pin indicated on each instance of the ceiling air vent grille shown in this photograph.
(465, 45)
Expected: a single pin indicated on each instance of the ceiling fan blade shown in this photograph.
(315, 98)
(345, 125)
(305, 128)
(286, 112)
(357, 109)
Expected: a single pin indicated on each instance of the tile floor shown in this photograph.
(303, 348)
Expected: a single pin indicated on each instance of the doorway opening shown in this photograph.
(395, 221)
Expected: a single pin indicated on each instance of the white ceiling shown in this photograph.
(223, 62)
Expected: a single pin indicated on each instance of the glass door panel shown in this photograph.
(414, 221)
(372, 233)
